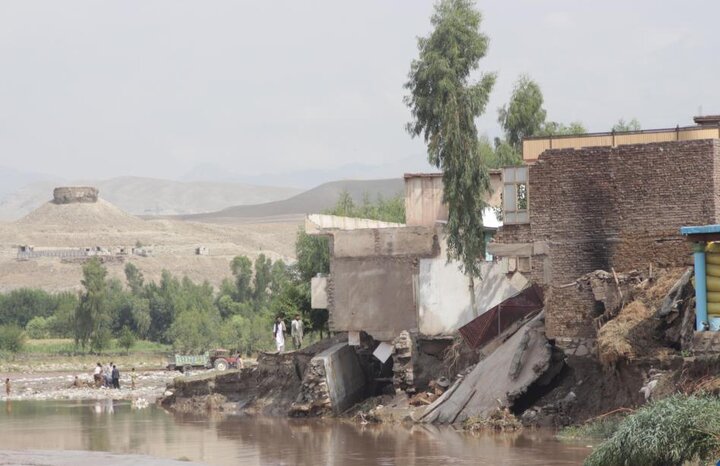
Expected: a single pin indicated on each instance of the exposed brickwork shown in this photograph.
(569, 312)
(613, 208)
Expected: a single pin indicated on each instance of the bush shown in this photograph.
(37, 328)
(12, 338)
(674, 430)
(127, 339)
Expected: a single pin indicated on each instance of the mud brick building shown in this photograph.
(619, 208)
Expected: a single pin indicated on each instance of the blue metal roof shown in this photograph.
(700, 230)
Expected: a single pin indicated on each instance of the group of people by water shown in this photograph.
(108, 376)
(296, 332)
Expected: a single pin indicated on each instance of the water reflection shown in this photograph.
(114, 426)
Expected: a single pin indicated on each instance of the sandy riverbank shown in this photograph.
(73, 458)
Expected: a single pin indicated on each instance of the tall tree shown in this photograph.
(524, 115)
(263, 277)
(91, 320)
(444, 106)
(242, 270)
(135, 279)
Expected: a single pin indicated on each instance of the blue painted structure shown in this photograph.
(700, 235)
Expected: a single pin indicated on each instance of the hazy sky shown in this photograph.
(157, 87)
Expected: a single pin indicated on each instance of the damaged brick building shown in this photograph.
(605, 207)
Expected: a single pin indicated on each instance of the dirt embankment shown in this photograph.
(268, 388)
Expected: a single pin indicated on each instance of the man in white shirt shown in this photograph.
(296, 330)
(279, 334)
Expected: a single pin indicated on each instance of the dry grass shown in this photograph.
(664, 280)
(633, 333)
(616, 338)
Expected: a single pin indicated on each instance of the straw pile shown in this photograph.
(623, 337)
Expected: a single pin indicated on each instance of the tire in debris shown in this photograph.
(221, 364)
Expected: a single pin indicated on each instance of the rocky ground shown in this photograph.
(149, 385)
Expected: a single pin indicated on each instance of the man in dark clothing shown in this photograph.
(115, 377)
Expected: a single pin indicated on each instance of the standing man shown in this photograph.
(107, 375)
(296, 330)
(115, 377)
(279, 334)
(97, 375)
(7, 386)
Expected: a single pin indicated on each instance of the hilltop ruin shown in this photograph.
(75, 194)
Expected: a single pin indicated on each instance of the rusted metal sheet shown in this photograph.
(496, 320)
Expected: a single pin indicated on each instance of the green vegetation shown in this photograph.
(622, 125)
(179, 313)
(444, 106)
(12, 338)
(672, 431)
(524, 116)
(386, 210)
(597, 429)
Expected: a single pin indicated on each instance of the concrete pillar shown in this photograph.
(701, 315)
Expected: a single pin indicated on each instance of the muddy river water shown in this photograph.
(119, 427)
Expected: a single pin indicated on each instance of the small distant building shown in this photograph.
(202, 251)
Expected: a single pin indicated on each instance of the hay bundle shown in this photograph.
(619, 339)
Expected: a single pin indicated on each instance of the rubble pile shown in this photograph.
(403, 374)
(314, 397)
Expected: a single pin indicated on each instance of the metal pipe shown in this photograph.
(701, 315)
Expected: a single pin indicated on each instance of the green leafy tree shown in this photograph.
(63, 322)
(524, 115)
(345, 205)
(444, 106)
(135, 279)
(623, 126)
(502, 155)
(21, 305)
(12, 338)
(195, 330)
(280, 276)
(262, 279)
(313, 255)
(553, 128)
(39, 327)
(386, 210)
(91, 317)
(241, 268)
(127, 339)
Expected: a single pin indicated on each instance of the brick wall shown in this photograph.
(621, 208)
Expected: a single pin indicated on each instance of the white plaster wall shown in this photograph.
(443, 295)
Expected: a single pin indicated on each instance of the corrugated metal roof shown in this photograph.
(496, 320)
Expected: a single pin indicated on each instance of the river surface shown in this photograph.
(117, 427)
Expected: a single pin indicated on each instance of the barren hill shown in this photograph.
(97, 217)
(294, 209)
(101, 224)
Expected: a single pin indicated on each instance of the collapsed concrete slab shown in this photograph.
(502, 377)
(333, 382)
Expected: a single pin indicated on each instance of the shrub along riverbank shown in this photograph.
(676, 430)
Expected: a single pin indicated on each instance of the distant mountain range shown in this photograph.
(218, 202)
(312, 177)
(315, 200)
(147, 196)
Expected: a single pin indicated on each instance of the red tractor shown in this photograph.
(221, 360)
